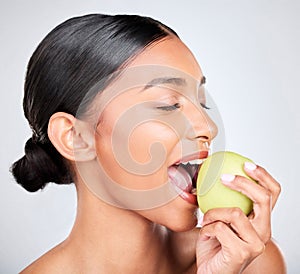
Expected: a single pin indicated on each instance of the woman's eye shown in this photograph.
(170, 107)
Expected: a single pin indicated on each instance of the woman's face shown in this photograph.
(154, 120)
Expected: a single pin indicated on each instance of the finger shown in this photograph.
(262, 200)
(220, 231)
(260, 175)
(233, 247)
(258, 194)
(235, 218)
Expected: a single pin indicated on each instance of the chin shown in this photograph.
(177, 215)
(183, 225)
(181, 220)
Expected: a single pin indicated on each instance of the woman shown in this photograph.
(116, 105)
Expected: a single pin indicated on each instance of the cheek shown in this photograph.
(137, 159)
(152, 142)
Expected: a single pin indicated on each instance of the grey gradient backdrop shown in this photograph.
(249, 52)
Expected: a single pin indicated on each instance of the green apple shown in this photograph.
(211, 193)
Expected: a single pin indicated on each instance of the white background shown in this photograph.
(249, 52)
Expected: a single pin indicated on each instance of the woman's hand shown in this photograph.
(229, 240)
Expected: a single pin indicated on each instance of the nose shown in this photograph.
(201, 127)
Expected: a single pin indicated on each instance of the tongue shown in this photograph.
(192, 170)
(180, 178)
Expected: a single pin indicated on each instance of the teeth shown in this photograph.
(194, 191)
(193, 162)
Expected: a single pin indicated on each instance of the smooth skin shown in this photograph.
(109, 239)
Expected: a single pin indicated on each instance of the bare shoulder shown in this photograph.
(271, 261)
(54, 261)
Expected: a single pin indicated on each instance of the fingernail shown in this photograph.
(227, 178)
(250, 166)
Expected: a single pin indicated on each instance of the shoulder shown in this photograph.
(271, 261)
(54, 261)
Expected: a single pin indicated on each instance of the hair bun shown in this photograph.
(40, 165)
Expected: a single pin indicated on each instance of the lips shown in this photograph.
(183, 175)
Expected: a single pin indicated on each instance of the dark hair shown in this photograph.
(68, 62)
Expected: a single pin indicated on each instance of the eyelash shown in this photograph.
(204, 106)
(177, 106)
(170, 107)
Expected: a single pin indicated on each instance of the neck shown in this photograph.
(107, 238)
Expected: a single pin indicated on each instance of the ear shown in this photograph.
(73, 138)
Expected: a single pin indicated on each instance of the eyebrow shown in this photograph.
(177, 81)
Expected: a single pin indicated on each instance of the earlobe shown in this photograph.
(73, 139)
